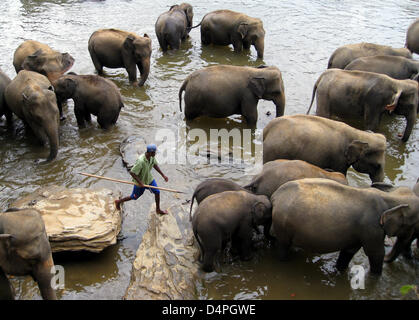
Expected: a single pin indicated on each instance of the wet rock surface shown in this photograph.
(76, 219)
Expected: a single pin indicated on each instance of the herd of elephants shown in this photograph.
(302, 187)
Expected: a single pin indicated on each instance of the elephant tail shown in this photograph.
(182, 88)
(189, 28)
(314, 93)
(190, 210)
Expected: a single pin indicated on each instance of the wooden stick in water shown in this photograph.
(127, 182)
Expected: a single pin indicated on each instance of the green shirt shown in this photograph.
(142, 168)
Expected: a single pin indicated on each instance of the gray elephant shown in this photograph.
(322, 216)
(403, 243)
(210, 187)
(114, 48)
(220, 91)
(36, 56)
(275, 173)
(31, 97)
(412, 37)
(326, 143)
(395, 67)
(25, 250)
(347, 53)
(4, 110)
(174, 25)
(355, 94)
(92, 94)
(225, 216)
(224, 27)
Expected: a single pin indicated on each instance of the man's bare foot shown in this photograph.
(117, 205)
(161, 211)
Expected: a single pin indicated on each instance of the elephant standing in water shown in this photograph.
(4, 110)
(31, 97)
(92, 94)
(348, 53)
(229, 215)
(412, 37)
(25, 250)
(114, 48)
(275, 173)
(36, 56)
(395, 67)
(326, 143)
(221, 91)
(322, 216)
(358, 94)
(224, 27)
(174, 25)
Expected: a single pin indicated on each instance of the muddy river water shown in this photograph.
(300, 37)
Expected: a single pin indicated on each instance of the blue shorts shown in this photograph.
(138, 191)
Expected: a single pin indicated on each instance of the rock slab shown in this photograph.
(76, 219)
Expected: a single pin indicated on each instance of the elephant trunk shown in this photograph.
(52, 133)
(144, 68)
(280, 105)
(260, 47)
(378, 176)
(43, 276)
(410, 119)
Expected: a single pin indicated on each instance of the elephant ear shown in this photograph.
(258, 210)
(257, 86)
(242, 29)
(68, 86)
(355, 151)
(393, 220)
(129, 43)
(6, 239)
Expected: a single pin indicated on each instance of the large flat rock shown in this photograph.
(76, 219)
(165, 266)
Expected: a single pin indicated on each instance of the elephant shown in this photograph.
(403, 244)
(4, 110)
(326, 143)
(114, 48)
(224, 27)
(347, 53)
(174, 26)
(25, 250)
(322, 216)
(39, 57)
(31, 97)
(210, 187)
(359, 94)
(220, 91)
(275, 173)
(92, 94)
(412, 37)
(229, 215)
(395, 67)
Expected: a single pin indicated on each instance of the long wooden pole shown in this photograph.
(127, 182)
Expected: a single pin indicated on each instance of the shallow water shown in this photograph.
(300, 37)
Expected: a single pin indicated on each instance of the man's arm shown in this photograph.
(141, 184)
(161, 173)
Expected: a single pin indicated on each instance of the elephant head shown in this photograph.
(405, 102)
(188, 10)
(137, 51)
(399, 221)
(267, 84)
(251, 32)
(366, 159)
(52, 65)
(25, 249)
(41, 113)
(65, 88)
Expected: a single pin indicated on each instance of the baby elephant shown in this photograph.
(91, 94)
(229, 215)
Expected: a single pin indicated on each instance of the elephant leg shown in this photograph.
(375, 254)
(249, 110)
(6, 291)
(246, 45)
(43, 276)
(345, 256)
(238, 45)
(206, 37)
(87, 116)
(266, 230)
(371, 118)
(132, 73)
(242, 240)
(402, 245)
(210, 247)
(80, 115)
(96, 63)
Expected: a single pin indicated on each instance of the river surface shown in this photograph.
(300, 37)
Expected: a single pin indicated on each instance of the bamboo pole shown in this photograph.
(128, 182)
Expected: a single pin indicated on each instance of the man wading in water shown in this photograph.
(141, 175)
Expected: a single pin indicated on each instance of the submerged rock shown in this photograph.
(76, 219)
(165, 266)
